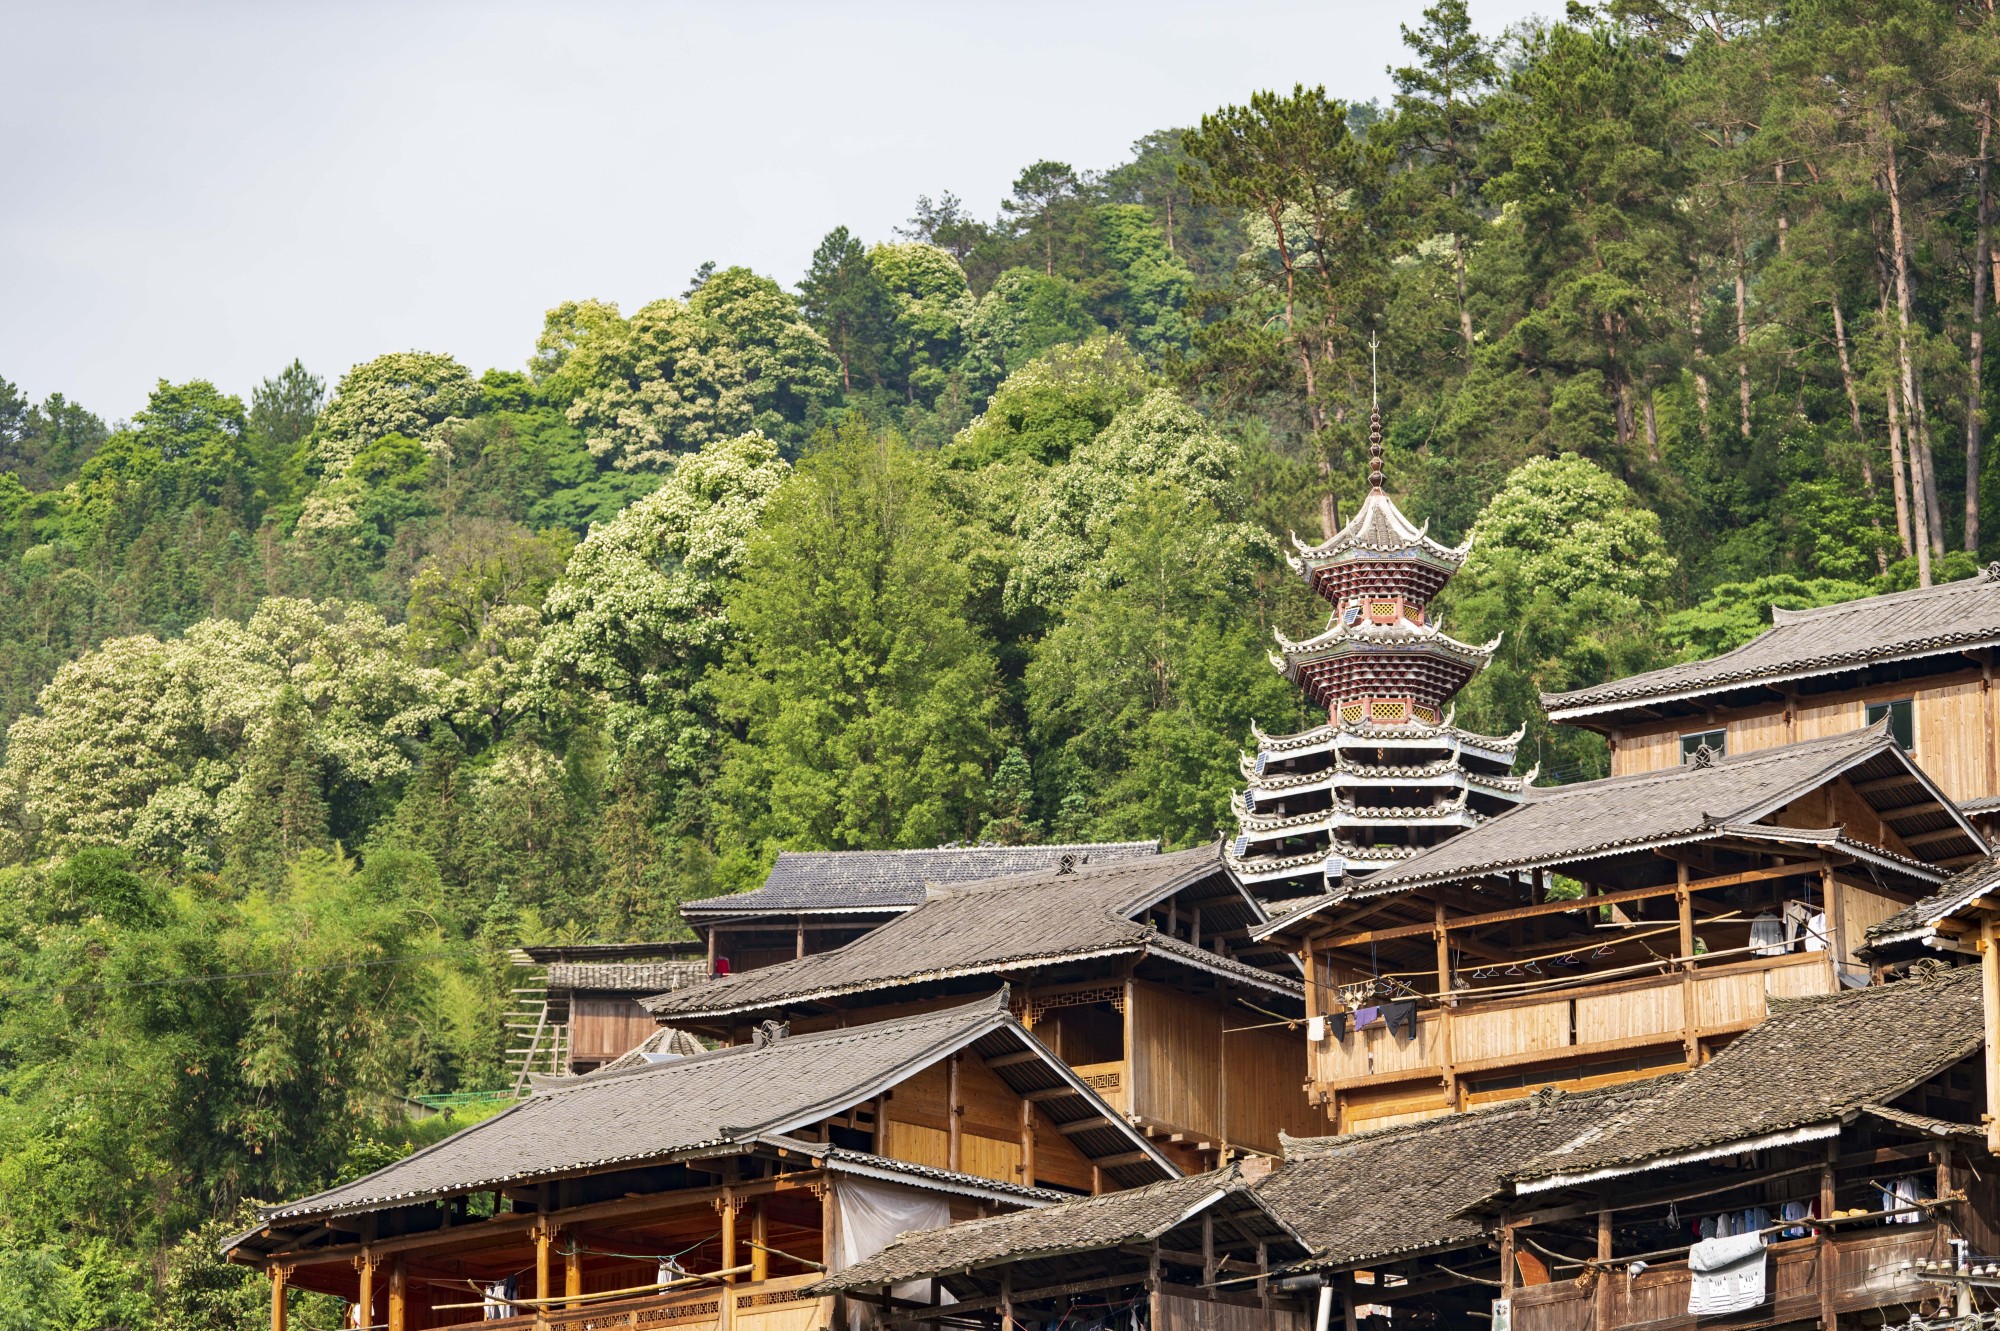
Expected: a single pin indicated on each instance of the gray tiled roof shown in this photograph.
(1137, 1215)
(866, 880)
(733, 1095)
(1563, 824)
(1947, 618)
(1369, 1196)
(981, 928)
(633, 977)
(1953, 895)
(1811, 1062)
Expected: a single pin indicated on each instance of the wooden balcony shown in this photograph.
(771, 1305)
(1570, 1027)
(1862, 1271)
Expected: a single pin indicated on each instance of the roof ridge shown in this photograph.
(1792, 616)
(1680, 770)
(867, 1029)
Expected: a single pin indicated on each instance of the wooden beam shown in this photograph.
(1886, 783)
(1126, 1158)
(1018, 1296)
(1084, 1124)
(1926, 838)
(1013, 1060)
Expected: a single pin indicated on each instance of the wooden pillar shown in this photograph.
(801, 951)
(954, 1113)
(365, 1264)
(1605, 1286)
(760, 1235)
(881, 1145)
(544, 1242)
(399, 1295)
(1506, 1256)
(1027, 1143)
(1007, 1299)
(1348, 1319)
(1989, 983)
(1829, 1320)
(725, 1205)
(572, 1269)
(1314, 1008)
(1263, 1274)
(1443, 953)
(277, 1298)
(712, 931)
(1127, 1099)
(1836, 929)
(1208, 1253)
(1684, 901)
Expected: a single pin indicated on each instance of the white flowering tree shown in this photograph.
(637, 617)
(146, 742)
(1066, 524)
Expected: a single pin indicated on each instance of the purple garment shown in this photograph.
(1366, 1016)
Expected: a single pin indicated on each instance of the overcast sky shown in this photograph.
(210, 190)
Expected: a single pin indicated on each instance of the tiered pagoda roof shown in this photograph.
(1390, 772)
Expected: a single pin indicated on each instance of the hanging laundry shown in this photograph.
(1816, 933)
(1797, 916)
(1338, 1021)
(1315, 1029)
(1401, 1015)
(1365, 1017)
(1767, 935)
(1795, 1210)
(1728, 1275)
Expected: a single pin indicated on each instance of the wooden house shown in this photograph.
(1140, 973)
(1924, 661)
(1843, 1134)
(1158, 1255)
(708, 1192)
(1614, 929)
(816, 900)
(585, 1012)
(1559, 1212)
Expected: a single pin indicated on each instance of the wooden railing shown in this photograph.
(1865, 1271)
(1485, 1036)
(1109, 1081)
(771, 1305)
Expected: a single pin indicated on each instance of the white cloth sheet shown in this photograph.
(1728, 1275)
(868, 1216)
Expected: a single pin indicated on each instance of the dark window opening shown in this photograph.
(1715, 741)
(1902, 721)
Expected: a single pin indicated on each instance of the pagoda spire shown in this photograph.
(1374, 418)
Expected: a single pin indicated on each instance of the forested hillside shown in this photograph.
(317, 703)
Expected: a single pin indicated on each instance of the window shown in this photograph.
(1712, 740)
(1902, 725)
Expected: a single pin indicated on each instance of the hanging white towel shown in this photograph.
(1316, 1030)
(1728, 1275)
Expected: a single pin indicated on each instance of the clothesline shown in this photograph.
(1572, 951)
(1585, 977)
